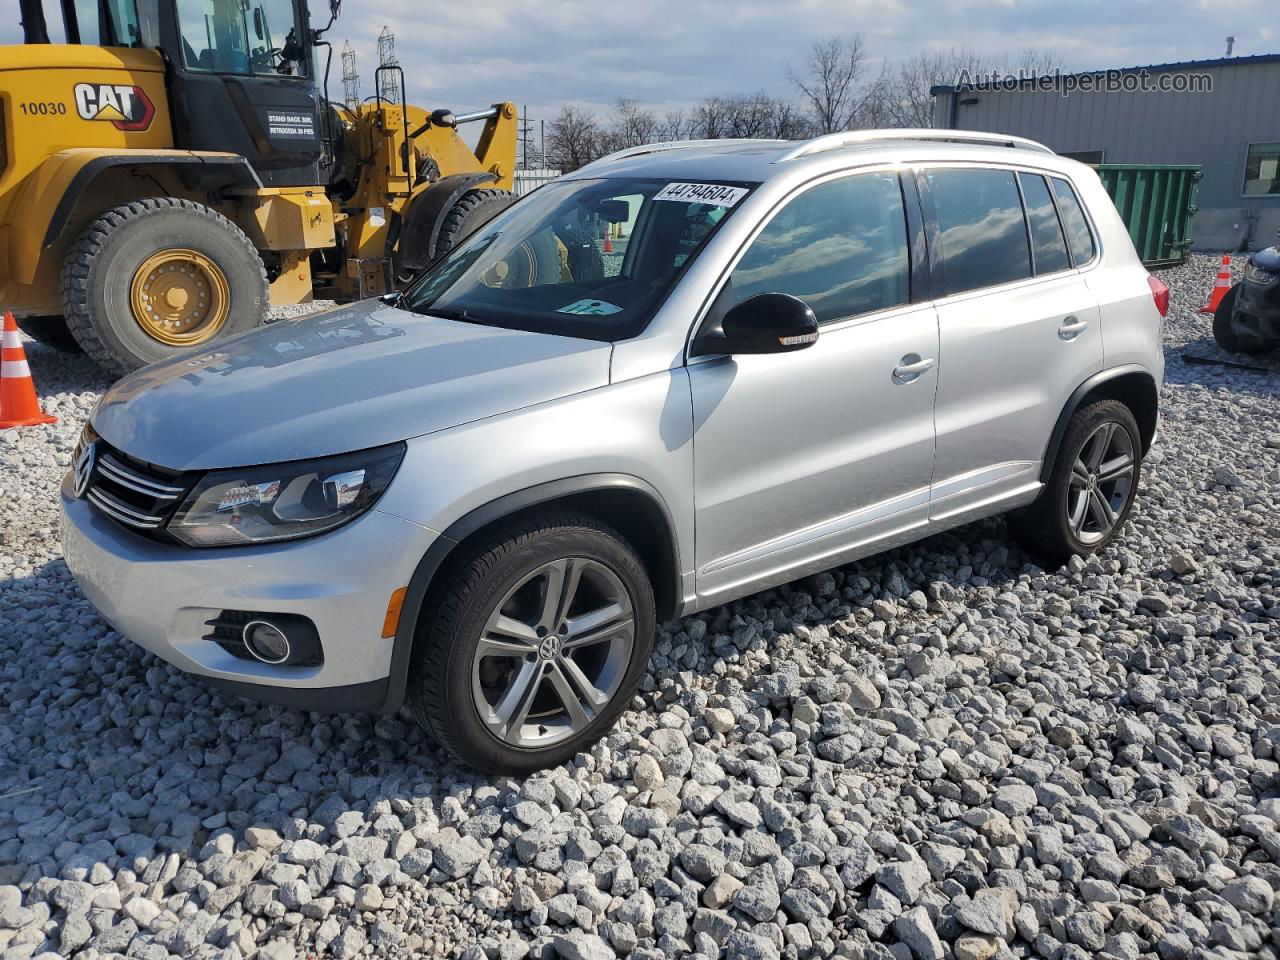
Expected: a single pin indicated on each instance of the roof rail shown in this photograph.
(849, 138)
(665, 145)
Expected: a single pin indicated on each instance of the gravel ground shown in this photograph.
(943, 752)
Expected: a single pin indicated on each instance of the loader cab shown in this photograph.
(239, 74)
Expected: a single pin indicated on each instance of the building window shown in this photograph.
(1262, 169)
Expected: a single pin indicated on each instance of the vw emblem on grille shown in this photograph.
(83, 468)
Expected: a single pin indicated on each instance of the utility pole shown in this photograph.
(350, 79)
(524, 136)
(388, 80)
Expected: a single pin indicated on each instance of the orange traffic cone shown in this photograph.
(608, 242)
(19, 406)
(1220, 287)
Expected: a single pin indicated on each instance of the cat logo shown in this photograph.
(125, 106)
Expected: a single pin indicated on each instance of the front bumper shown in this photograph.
(161, 596)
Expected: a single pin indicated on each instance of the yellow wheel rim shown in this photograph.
(180, 297)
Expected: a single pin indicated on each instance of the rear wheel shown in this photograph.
(1091, 488)
(157, 276)
(1224, 330)
(51, 331)
(539, 638)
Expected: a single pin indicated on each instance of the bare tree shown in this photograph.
(833, 82)
(633, 125)
(906, 99)
(749, 115)
(575, 139)
(1034, 63)
(710, 119)
(674, 126)
(788, 122)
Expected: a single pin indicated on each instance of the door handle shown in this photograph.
(1072, 327)
(911, 366)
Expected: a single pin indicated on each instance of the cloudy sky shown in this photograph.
(672, 53)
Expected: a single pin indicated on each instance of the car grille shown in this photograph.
(136, 494)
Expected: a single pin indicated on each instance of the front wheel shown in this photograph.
(157, 276)
(1091, 488)
(539, 637)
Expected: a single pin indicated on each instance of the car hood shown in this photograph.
(355, 377)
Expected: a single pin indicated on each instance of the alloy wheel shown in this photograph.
(553, 652)
(1101, 482)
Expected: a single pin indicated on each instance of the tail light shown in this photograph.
(1160, 294)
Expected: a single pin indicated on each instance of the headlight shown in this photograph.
(1259, 276)
(284, 501)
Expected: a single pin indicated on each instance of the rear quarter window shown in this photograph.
(1074, 224)
(1047, 241)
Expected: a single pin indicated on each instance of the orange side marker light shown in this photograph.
(392, 621)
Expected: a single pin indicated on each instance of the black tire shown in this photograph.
(472, 211)
(1044, 528)
(98, 272)
(440, 693)
(51, 331)
(1224, 331)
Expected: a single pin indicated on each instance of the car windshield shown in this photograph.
(581, 258)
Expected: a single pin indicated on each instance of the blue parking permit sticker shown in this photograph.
(590, 308)
(716, 194)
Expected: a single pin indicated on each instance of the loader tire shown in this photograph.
(51, 331)
(473, 210)
(155, 277)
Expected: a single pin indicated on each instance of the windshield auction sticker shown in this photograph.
(716, 194)
(590, 308)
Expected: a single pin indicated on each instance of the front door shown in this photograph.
(241, 83)
(804, 459)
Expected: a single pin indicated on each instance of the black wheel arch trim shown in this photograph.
(196, 172)
(1074, 403)
(506, 506)
(419, 229)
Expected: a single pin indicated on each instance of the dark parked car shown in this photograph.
(1248, 318)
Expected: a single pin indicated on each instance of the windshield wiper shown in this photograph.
(453, 313)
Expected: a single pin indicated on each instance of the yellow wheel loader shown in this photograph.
(176, 167)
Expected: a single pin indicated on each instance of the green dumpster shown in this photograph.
(1157, 202)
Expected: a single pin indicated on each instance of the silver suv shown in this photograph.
(682, 374)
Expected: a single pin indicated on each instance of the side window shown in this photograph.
(982, 234)
(1079, 239)
(840, 247)
(1047, 242)
(111, 23)
(230, 36)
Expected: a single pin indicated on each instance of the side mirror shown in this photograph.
(765, 323)
(335, 7)
(259, 25)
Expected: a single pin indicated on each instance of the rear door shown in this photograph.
(1019, 330)
(801, 457)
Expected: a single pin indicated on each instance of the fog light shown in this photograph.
(266, 641)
